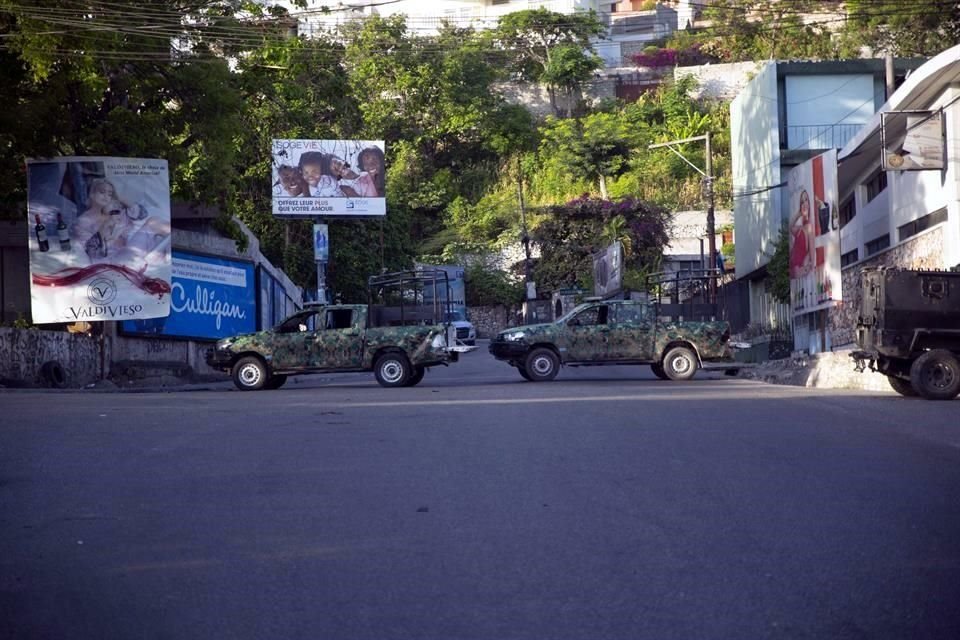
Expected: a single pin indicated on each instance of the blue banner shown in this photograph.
(210, 298)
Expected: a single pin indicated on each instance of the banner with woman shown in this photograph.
(814, 234)
(100, 239)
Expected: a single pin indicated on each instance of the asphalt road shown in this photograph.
(606, 504)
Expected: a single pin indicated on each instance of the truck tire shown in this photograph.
(392, 369)
(523, 373)
(903, 387)
(936, 375)
(250, 374)
(416, 377)
(542, 365)
(658, 371)
(680, 363)
(275, 382)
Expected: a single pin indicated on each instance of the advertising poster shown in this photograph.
(814, 234)
(99, 239)
(608, 271)
(210, 298)
(457, 281)
(321, 243)
(328, 178)
(912, 140)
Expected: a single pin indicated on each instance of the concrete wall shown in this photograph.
(24, 351)
(755, 159)
(719, 81)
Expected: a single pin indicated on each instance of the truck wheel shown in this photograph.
(392, 370)
(416, 377)
(250, 374)
(275, 382)
(658, 371)
(523, 373)
(936, 375)
(680, 363)
(901, 386)
(542, 365)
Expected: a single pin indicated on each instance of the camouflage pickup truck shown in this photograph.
(398, 335)
(615, 332)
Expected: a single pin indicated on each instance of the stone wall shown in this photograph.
(489, 321)
(23, 352)
(925, 251)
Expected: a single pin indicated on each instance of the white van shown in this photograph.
(465, 330)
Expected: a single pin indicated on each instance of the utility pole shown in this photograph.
(708, 189)
(525, 239)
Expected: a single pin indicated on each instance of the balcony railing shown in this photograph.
(821, 136)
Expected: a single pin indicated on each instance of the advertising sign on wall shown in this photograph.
(328, 178)
(210, 298)
(814, 234)
(912, 140)
(99, 239)
(608, 270)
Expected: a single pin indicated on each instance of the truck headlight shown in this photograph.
(513, 336)
(439, 341)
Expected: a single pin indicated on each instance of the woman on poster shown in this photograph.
(801, 262)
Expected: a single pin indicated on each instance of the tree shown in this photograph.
(554, 48)
(574, 232)
(595, 147)
(917, 28)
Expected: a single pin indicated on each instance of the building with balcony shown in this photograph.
(787, 114)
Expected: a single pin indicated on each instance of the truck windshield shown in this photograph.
(456, 316)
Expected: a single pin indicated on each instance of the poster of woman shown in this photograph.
(100, 239)
(814, 236)
(328, 177)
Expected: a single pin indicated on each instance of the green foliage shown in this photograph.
(778, 269)
(916, 28)
(539, 45)
(574, 232)
(486, 286)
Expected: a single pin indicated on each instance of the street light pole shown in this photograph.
(708, 182)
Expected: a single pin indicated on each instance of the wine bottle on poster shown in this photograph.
(41, 230)
(63, 233)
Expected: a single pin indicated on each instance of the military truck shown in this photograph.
(396, 335)
(908, 329)
(616, 332)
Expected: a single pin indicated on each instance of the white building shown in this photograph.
(628, 28)
(909, 219)
(788, 113)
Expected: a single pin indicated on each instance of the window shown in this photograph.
(877, 244)
(339, 319)
(591, 317)
(848, 211)
(849, 258)
(631, 312)
(876, 184)
(914, 227)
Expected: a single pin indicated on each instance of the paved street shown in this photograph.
(606, 504)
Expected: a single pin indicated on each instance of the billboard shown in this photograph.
(608, 270)
(912, 140)
(814, 234)
(211, 298)
(328, 178)
(99, 238)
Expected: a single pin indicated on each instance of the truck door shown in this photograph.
(338, 341)
(587, 335)
(633, 331)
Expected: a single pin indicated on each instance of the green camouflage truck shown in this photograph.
(397, 339)
(616, 332)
